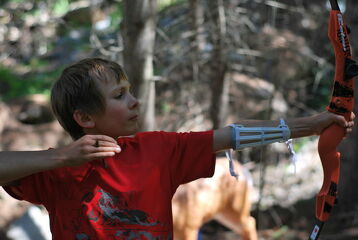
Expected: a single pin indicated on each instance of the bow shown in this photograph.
(342, 102)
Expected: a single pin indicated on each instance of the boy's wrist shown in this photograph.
(310, 125)
(58, 157)
(302, 127)
(321, 121)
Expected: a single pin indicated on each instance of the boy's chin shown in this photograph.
(128, 133)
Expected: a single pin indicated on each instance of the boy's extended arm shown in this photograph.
(299, 127)
(17, 164)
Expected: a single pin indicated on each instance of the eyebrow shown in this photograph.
(120, 88)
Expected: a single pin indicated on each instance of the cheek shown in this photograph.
(118, 113)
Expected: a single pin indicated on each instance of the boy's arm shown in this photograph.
(15, 165)
(299, 127)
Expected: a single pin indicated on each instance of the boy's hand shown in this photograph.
(323, 120)
(88, 148)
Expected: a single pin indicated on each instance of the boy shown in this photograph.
(106, 185)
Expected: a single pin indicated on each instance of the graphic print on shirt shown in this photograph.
(114, 211)
(112, 216)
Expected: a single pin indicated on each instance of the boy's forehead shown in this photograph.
(113, 86)
(110, 77)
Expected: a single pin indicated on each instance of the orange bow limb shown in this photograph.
(327, 149)
(342, 100)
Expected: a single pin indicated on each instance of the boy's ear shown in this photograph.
(83, 119)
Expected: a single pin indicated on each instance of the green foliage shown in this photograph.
(14, 85)
(167, 3)
(116, 15)
(320, 90)
(6, 77)
(279, 233)
(61, 7)
(300, 142)
(165, 108)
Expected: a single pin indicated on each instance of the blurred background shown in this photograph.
(194, 65)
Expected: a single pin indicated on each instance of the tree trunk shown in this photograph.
(198, 39)
(139, 35)
(219, 83)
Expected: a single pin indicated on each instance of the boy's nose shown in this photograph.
(134, 103)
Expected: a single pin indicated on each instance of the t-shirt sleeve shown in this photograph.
(188, 156)
(34, 188)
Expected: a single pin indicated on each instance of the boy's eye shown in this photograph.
(119, 96)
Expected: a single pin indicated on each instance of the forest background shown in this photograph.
(195, 65)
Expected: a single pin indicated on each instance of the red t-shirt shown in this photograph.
(131, 198)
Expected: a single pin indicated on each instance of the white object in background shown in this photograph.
(33, 225)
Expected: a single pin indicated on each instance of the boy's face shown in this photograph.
(121, 114)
